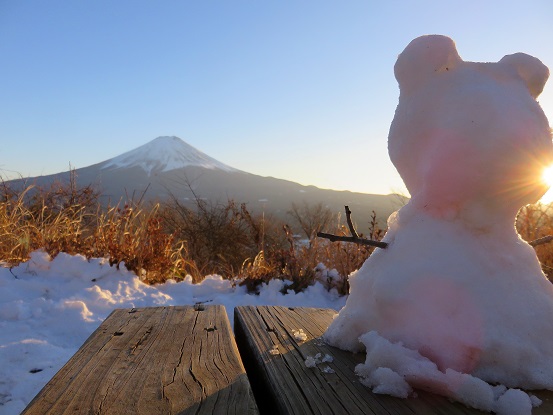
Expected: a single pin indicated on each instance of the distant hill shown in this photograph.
(169, 167)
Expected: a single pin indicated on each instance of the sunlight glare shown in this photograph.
(547, 177)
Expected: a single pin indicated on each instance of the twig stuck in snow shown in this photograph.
(350, 223)
(354, 238)
(11, 272)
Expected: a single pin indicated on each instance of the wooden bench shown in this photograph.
(163, 360)
(184, 360)
(274, 358)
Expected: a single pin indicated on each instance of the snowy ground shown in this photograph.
(48, 308)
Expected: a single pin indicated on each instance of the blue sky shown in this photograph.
(301, 90)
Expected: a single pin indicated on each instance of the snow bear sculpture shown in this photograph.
(456, 284)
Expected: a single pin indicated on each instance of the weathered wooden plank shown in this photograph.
(284, 385)
(159, 360)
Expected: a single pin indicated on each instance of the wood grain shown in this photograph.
(162, 360)
(284, 385)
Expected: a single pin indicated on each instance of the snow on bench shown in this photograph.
(162, 360)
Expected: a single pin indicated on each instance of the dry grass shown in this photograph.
(171, 241)
(63, 218)
(534, 222)
(314, 259)
(134, 236)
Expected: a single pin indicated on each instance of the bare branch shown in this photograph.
(354, 238)
(360, 241)
(541, 241)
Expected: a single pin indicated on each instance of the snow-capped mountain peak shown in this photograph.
(164, 154)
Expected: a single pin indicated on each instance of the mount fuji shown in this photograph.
(164, 154)
(168, 167)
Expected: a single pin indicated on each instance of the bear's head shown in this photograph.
(469, 136)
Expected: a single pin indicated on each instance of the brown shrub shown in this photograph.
(315, 259)
(65, 218)
(135, 236)
(534, 222)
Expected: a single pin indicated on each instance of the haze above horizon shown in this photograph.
(298, 91)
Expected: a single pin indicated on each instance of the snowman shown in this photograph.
(456, 284)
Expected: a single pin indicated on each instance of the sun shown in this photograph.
(547, 177)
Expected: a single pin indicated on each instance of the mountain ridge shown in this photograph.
(171, 169)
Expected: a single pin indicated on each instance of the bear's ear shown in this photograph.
(423, 57)
(532, 71)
